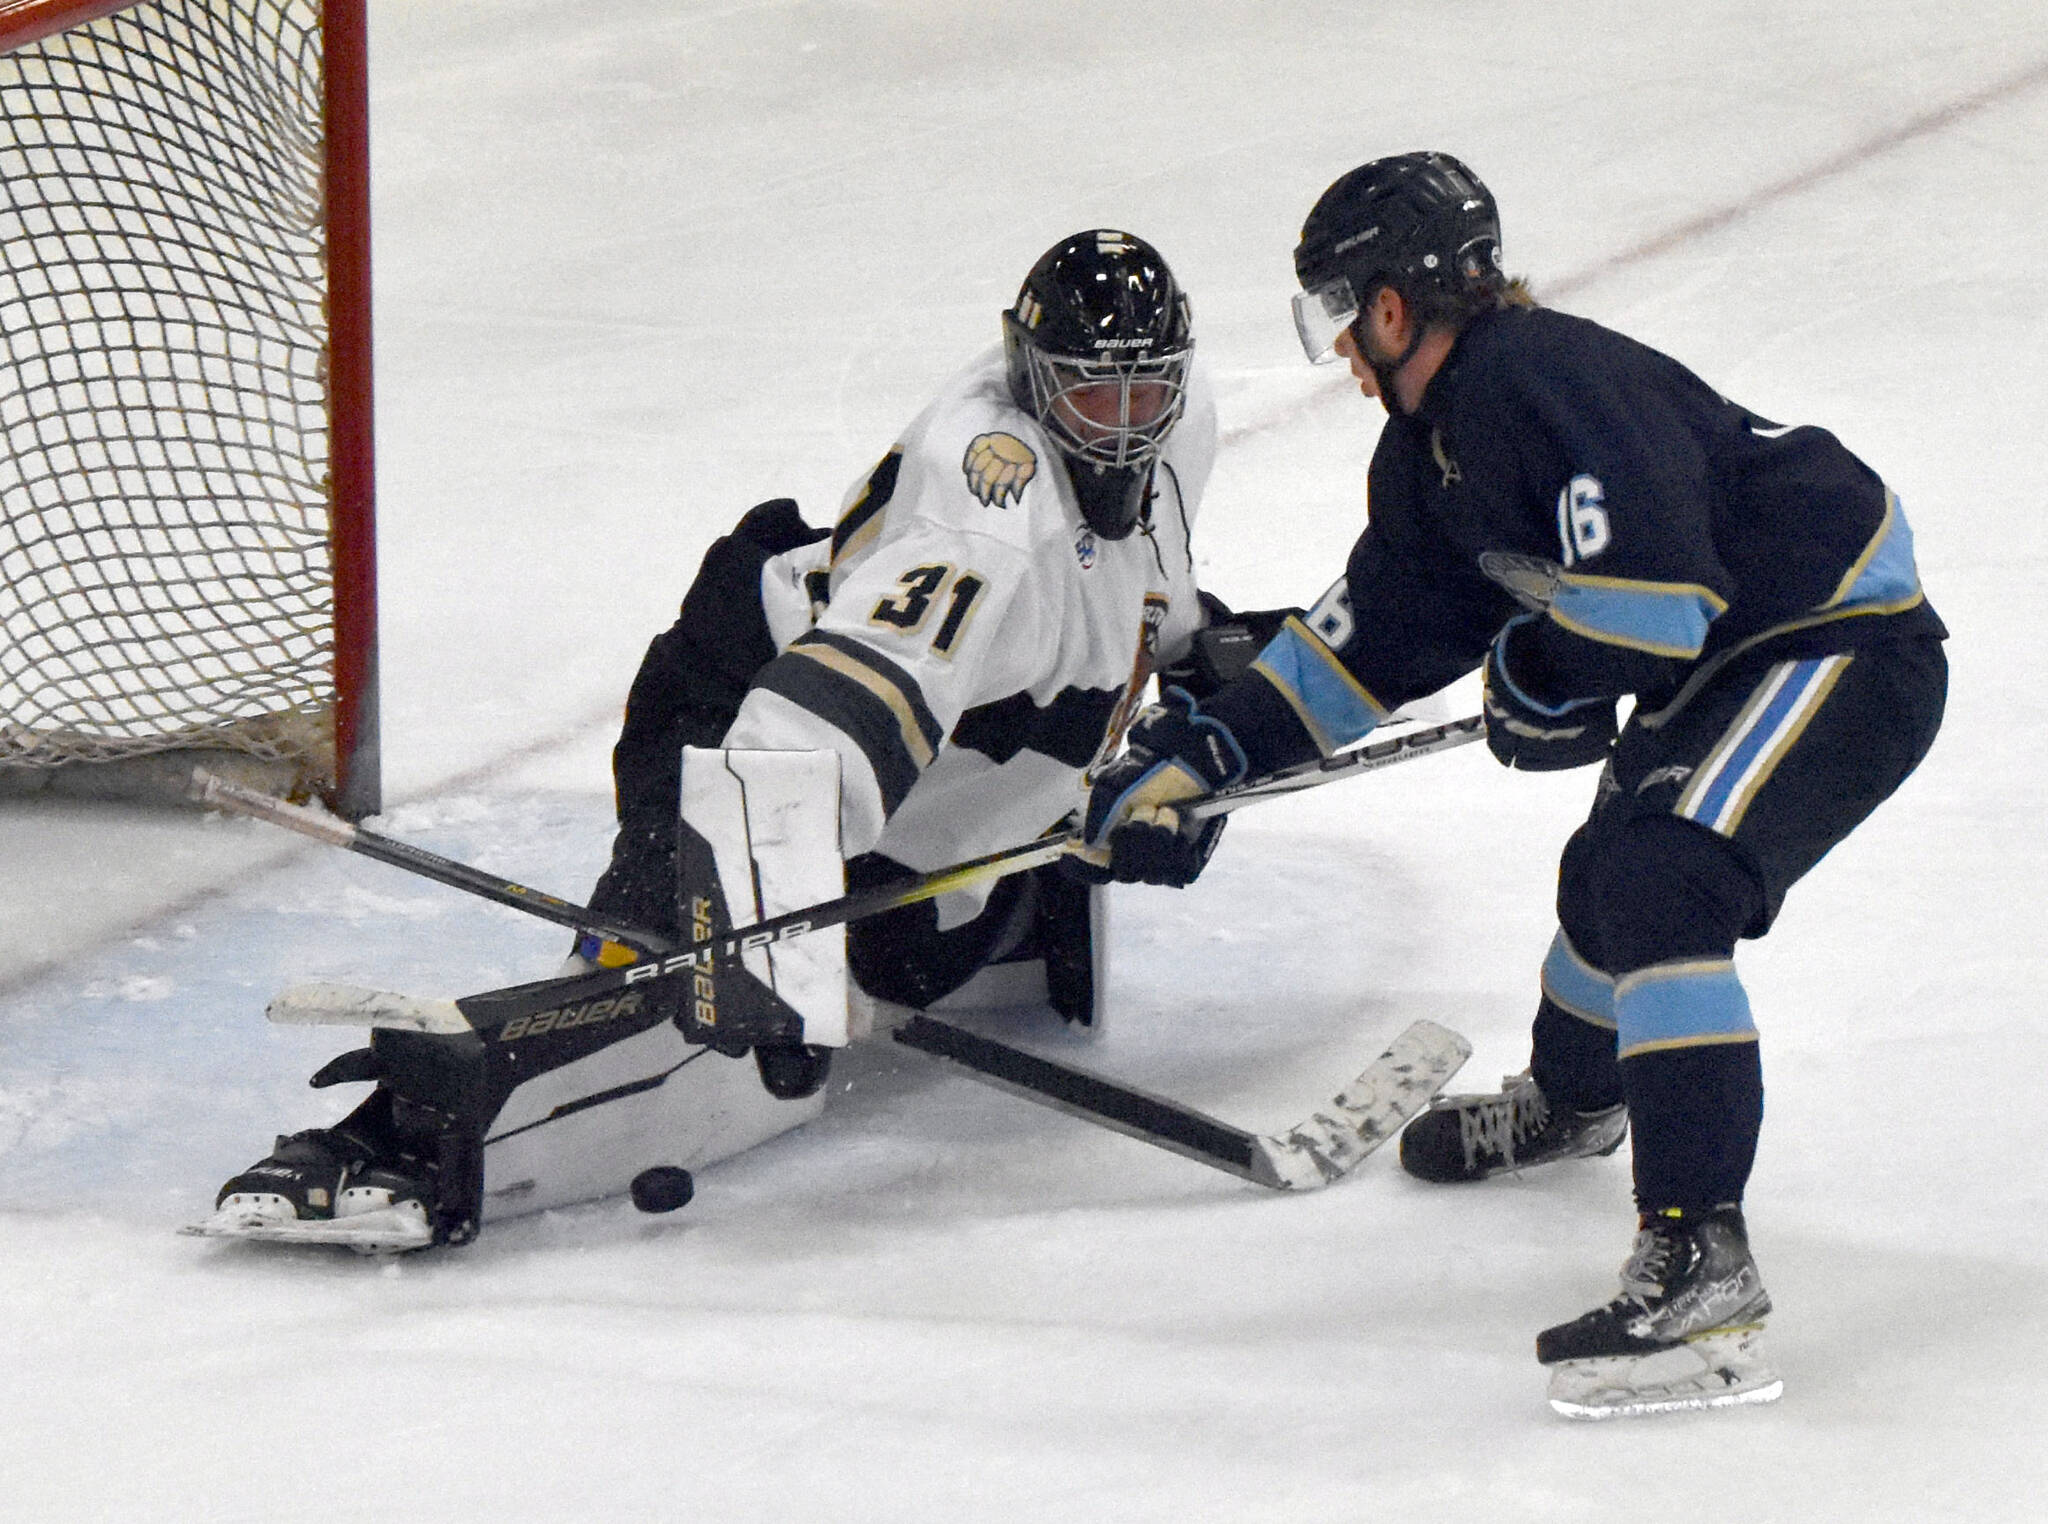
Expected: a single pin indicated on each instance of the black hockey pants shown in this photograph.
(1710, 810)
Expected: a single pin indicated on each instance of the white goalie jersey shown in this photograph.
(964, 641)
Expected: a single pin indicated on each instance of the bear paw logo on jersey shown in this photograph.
(998, 467)
(1084, 548)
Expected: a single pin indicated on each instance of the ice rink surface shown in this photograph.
(643, 264)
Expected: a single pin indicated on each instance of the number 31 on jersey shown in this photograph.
(928, 587)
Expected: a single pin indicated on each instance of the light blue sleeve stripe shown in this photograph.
(1891, 573)
(1665, 620)
(1678, 1005)
(1577, 986)
(1336, 710)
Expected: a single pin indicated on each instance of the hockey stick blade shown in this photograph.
(347, 1005)
(1369, 1110)
(1325, 1147)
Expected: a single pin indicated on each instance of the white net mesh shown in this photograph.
(164, 443)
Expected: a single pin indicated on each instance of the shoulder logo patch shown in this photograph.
(1531, 579)
(998, 467)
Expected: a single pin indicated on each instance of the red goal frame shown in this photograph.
(357, 786)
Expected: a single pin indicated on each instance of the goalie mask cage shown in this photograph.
(186, 537)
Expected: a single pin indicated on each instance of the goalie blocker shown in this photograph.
(574, 1102)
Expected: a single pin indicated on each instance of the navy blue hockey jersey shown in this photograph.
(1651, 526)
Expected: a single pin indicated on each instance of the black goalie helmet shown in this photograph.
(1098, 346)
(1421, 222)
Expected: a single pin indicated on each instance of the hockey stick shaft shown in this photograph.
(1345, 764)
(494, 1007)
(208, 789)
(1033, 854)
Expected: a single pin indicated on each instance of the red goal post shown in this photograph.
(187, 535)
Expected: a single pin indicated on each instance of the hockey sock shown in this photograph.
(1572, 1040)
(1696, 1113)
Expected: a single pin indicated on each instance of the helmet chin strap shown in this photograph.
(1384, 371)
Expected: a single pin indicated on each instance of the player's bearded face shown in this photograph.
(1348, 350)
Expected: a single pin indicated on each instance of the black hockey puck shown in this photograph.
(663, 1188)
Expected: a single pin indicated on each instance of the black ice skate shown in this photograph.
(1469, 1137)
(1685, 1332)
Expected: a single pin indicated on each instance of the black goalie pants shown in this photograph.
(903, 956)
(1707, 814)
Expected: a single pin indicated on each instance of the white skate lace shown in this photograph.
(1497, 1124)
(1642, 1278)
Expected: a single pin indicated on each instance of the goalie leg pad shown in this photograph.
(760, 838)
(491, 1126)
(583, 1131)
(1073, 930)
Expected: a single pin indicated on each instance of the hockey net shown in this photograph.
(185, 538)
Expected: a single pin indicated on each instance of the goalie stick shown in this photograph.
(348, 1005)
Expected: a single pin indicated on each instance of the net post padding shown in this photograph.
(185, 491)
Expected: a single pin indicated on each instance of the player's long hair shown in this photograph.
(1432, 305)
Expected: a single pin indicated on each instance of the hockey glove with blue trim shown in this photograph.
(1524, 732)
(1132, 832)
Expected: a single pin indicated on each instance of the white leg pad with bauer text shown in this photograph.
(770, 822)
(582, 1132)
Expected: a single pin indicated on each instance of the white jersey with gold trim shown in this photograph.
(964, 641)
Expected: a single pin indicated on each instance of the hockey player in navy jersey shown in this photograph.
(974, 633)
(1585, 520)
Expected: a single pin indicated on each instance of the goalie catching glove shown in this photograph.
(1132, 832)
(1526, 733)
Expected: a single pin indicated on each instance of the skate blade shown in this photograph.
(1722, 1369)
(387, 1230)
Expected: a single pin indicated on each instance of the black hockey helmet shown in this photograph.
(1420, 222)
(1098, 346)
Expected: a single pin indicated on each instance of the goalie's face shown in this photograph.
(1106, 412)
